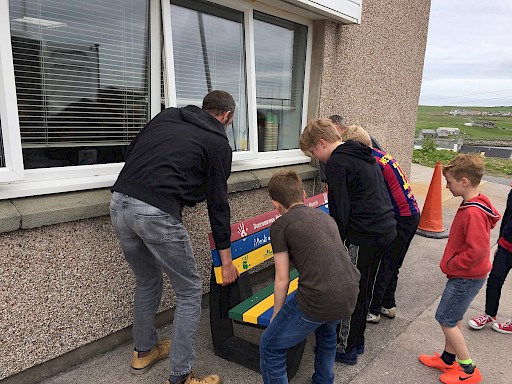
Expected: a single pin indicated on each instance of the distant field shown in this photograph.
(430, 117)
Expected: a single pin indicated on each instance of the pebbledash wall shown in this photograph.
(65, 287)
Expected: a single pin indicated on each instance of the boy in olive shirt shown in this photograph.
(328, 282)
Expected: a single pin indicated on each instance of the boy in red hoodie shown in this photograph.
(466, 263)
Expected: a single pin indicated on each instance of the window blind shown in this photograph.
(81, 71)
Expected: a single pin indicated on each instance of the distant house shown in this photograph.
(428, 133)
(447, 131)
(500, 152)
(485, 124)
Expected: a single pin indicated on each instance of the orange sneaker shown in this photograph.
(436, 362)
(459, 376)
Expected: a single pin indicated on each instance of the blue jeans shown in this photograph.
(154, 241)
(289, 328)
(457, 297)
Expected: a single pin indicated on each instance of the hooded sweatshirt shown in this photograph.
(467, 253)
(505, 239)
(358, 198)
(180, 158)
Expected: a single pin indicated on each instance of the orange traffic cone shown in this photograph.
(431, 221)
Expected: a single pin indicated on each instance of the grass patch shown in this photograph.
(430, 117)
(493, 166)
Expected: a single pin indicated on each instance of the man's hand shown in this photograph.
(229, 271)
(229, 274)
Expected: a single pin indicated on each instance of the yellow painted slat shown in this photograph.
(251, 316)
(247, 261)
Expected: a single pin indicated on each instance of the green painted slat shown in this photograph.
(237, 312)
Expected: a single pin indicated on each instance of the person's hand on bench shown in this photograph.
(229, 271)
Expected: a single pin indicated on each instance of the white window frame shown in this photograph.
(17, 182)
(252, 158)
(13, 169)
(43, 181)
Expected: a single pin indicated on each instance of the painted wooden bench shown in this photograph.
(236, 303)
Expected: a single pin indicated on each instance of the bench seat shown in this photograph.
(259, 308)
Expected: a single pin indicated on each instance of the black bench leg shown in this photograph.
(225, 344)
(293, 358)
(230, 347)
(221, 325)
(221, 300)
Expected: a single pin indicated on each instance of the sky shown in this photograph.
(468, 60)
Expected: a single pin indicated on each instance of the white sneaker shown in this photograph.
(390, 313)
(371, 318)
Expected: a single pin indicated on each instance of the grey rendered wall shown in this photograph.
(66, 285)
(372, 72)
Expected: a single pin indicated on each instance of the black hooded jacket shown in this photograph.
(181, 157)
(506, 221)
(358, 198)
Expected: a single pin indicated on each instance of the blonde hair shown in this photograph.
(286, 188)
(316, 130)
(468, 165)
(357, 133)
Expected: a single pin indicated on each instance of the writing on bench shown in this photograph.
(250, 246)
(250, 239)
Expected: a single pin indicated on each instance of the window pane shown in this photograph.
(81, 70)
(280, 67)
(208, 45)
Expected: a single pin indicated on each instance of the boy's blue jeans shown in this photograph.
(456, 299)
(152, 241)
(289, 328)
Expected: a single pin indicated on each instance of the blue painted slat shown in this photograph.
(264, 318)
(243, 246)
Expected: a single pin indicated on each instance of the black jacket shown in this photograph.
(506, 221)
(358, 198)
(375, 144)
(181, 157)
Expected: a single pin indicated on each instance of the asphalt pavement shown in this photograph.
(392, 346)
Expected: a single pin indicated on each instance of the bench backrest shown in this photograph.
(250, 239)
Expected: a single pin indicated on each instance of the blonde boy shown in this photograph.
(360, 205)
(466, 263)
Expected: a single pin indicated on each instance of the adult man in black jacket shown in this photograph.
(181, 157)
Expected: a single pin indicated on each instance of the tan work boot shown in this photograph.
(193, 379)
(141, 365)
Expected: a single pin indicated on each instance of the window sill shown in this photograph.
(38, 211)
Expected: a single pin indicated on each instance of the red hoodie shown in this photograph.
(467, 253)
